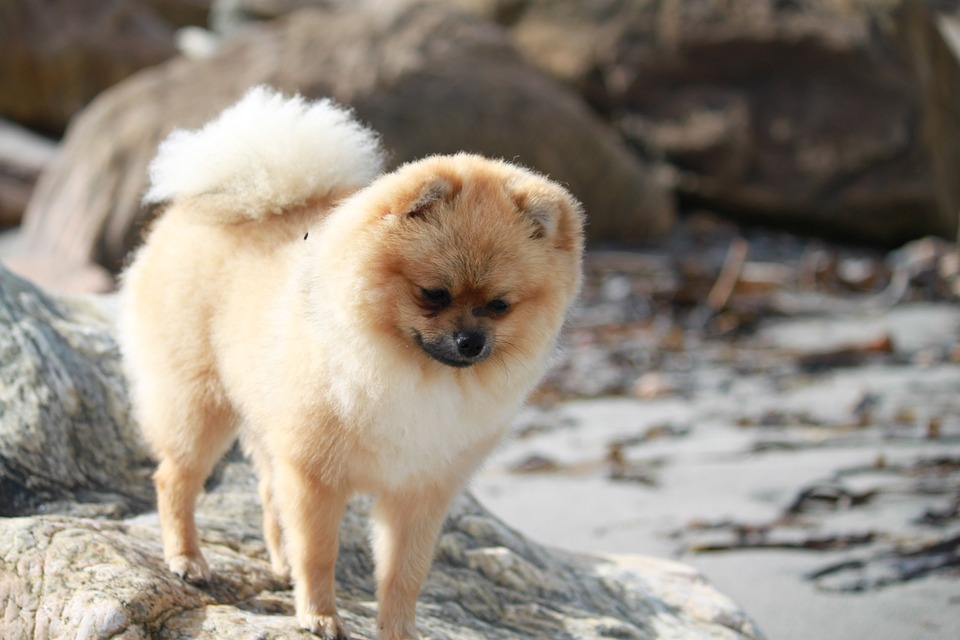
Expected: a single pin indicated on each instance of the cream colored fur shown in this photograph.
(244, 157)
(312, 333)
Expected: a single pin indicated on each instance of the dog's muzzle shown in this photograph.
(462, 348)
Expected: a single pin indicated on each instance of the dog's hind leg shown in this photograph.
(272, 530)
(189, 438)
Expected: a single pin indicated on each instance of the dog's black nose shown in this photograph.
(469, 343)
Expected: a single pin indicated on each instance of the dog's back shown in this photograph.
(237, 193)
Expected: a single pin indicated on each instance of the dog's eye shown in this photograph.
(496, 307)
(436, 297)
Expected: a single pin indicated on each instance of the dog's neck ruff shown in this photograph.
(418, 422)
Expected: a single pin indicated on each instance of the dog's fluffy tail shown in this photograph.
(263, 155)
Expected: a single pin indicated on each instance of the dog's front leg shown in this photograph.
(310, 513)
(406, 526)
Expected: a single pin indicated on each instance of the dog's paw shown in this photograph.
(401, 632)
(327, 627)
(281, 571)
(191, 569)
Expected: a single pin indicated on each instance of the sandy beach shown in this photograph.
(809, 466)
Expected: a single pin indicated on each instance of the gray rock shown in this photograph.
(66, 437)
(65, 426)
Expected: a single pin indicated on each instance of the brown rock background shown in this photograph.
(799, 115)
(802, 115)
(57, 56)
(429, 80)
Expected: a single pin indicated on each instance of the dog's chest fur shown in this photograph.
(425, 430)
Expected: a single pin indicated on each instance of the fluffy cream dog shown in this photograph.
(361, 333)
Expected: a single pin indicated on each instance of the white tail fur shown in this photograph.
(265, 154)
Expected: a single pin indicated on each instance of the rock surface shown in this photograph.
(65, 426)
(429, 79)
(68, 451)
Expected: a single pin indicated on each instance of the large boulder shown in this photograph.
(66, 432)
(58, 55)
(929, 33)
(429, 79)
(69, 451)
(800, 115)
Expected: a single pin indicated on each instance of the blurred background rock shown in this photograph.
(824, 117)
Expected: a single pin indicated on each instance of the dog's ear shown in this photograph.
(413, 195)
(553, 214)
(543, 216)
(429, 194)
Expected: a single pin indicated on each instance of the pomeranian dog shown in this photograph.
(360, 332)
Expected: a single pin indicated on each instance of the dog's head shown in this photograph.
(470, 260)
